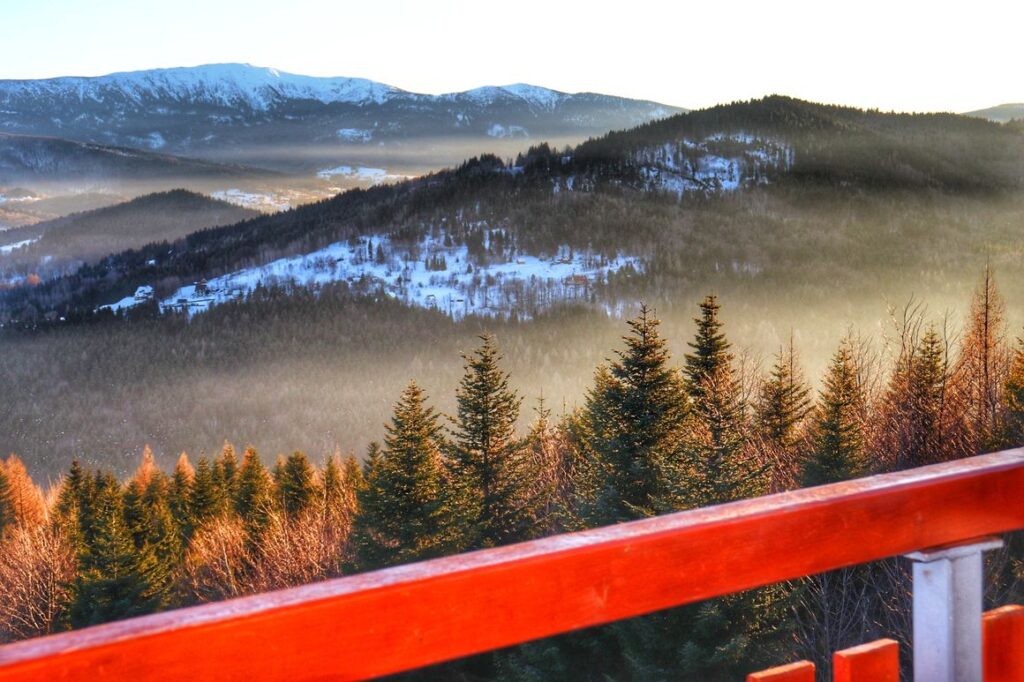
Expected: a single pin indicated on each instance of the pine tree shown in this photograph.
(783, 403)
(180, 494)
(710, 350)
(783, 400)
(718, 466)
(634, 420)
(838, 450)
(296, 484)
(111, 582)
(254, 497)
(720, 638)
(492, 472)
(206, 498)
(73, 510)
(226, 470)
(404, 509)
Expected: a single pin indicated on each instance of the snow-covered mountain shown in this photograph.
(215, 110)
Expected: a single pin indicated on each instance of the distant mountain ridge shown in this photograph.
(50, 159)
(1001, 113)
(213, 109)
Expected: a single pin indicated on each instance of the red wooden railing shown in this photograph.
(414, 615)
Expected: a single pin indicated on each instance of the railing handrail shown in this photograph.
(418, 614)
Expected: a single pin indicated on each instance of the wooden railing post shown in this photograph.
(877, 661)
(948, 586)
(1003, 641)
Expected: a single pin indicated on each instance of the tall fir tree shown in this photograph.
(180, 494)
(496, 484)
(226, 470)
(110, 583)
(838, 451)
(782, 406)
(296, 484)
(254, 495)
(722, 638)
(207, 500)
(635, 417)
(405, 508)
(718, 465)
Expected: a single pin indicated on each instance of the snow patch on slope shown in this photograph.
(427, 274)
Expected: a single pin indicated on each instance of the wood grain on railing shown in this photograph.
(410, 616)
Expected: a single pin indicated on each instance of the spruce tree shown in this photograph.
(254, 494)
(720, 638)
(718, 467)
(783, 400)
(180, 495)
(111, 583)
(404, 508)
(496, 484)
(206, 498)
(226, 470)
(634, 416)
(73, 509)
(782, 406)
(296, 484)
(838, 449)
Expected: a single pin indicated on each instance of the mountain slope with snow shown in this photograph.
(222, 111)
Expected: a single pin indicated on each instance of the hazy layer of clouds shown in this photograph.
(907, 55)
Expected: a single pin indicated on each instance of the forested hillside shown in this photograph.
(656, 432)
(58, 246)
(806, 220)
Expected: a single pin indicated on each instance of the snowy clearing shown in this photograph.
(426, 274)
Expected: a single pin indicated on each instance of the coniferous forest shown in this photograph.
(656, 433)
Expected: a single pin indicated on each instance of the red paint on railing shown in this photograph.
(877, 661)
(410, 616)
(1003, 635)
(802, 671)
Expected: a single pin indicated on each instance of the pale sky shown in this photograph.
(891, 54)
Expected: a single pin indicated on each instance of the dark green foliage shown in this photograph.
(226, 471)
(784, 400)
(717, 457)
(207, 499)
(111, 582)
(838, 435)
(155, 537)
(296, 486)
(254, 494)
(405, 506)
(492, 471)
(634, 421)
(180, 495)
